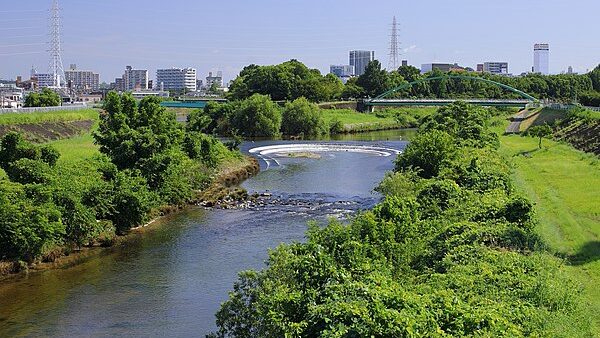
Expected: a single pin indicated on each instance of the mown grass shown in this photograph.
(565, 185)
(56, 116)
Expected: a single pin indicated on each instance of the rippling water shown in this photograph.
(171, 280)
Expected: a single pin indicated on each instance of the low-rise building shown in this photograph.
(140, 94)
(500, 68)
(343, 72)
(218, 80)
(11, 96)
(444, 67)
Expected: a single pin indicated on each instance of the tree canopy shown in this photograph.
(45, 98)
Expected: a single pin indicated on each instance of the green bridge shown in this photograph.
(383, 100)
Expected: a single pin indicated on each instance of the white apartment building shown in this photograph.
(176, 79)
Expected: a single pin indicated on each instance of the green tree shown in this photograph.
(427, 153)
(541, 132)
(257, 116)
(129, 133)
(46, 98)
(302, 117)
(374, 81)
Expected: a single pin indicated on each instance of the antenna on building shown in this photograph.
(56, 66)
(393, 63)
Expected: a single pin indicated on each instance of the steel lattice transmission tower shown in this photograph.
(394, 48)
(56, 66)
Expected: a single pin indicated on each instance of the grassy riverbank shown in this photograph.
(354, 121)
(563, 182)
(55, 116)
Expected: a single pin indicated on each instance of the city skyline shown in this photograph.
(278, 32)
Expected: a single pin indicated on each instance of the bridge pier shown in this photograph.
(362, 107)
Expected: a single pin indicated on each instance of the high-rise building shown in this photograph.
(176, 79)
(135, 79)
(82, 80)
(541, 55)
(500, 68)
(359, 59)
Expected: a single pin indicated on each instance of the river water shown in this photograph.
(171, 280)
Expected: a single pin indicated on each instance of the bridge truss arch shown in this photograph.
(462, 77)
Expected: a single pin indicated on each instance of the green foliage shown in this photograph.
(257, 116)
(46, 98)
(129, 134)
(300, 117)
(540, 131)
(336, 126)
(591, 98)
(427, 153)
(27, 229)
(287, 81)
(375, 80)
(132, 201)
(466, 123)
(594, 76)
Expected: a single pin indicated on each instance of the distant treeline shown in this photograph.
(292, 79)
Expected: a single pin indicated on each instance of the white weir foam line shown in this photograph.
(322, 148)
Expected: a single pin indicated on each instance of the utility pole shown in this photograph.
(393, 63)
(56, 66)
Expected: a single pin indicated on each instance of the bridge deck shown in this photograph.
(443, 102)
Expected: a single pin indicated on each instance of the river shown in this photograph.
(171, 280)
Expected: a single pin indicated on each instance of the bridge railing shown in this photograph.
(43, 109)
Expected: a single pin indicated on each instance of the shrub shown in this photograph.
(257, 116)
(427, 153)
(300, 117)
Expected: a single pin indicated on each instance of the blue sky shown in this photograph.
(226, 35)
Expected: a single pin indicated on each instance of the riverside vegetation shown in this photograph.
(148, 163)
(259, 116)
(452, 250)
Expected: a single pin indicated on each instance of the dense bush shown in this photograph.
(257, 116)
(287, 81)
(300, 117)
(46, 98)
(427, 153)
(591, 98)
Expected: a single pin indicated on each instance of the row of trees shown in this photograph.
(450, 251)
(259, 116)
(148, 161)
(292, 79)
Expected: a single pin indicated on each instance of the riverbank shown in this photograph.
(229, 174)
(560, 180)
